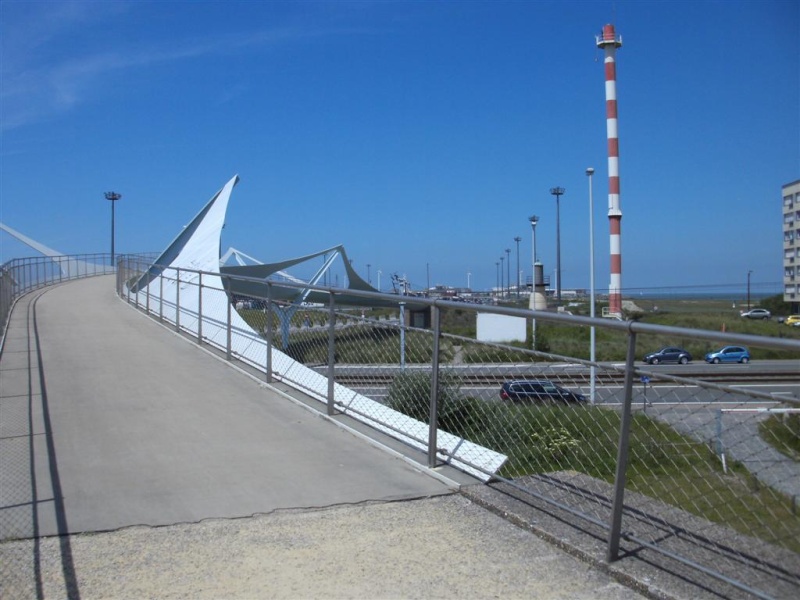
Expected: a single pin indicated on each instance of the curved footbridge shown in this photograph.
(207, 482)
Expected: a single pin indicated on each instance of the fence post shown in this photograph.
(147, 299)
(269, 333)
(719, 432)
(230, 307)
(331, 351)
(622, 453)
(200, 308)
(136, 296)
(178, 300)
(402, 336)
(161, 297)
(434, 407)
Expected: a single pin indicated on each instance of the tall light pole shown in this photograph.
(518, 240)
(534, 220)
(468, 283)
(112, 197)
(748, 290)
(502, 285)
(592, 369)
(428, 271)
(557, 192)
(497, 275)
(379, 279)
(368, 278)
(508, 272)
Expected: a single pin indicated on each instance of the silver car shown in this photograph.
(757, 313)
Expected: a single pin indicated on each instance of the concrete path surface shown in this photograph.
(134, 464)
(443, 547)
(132, 425)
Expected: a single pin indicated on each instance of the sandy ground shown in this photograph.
(443, 547)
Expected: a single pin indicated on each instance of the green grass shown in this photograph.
(563, 340)
(782, 432)
(663, 464)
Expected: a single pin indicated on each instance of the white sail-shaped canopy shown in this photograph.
(199, 304)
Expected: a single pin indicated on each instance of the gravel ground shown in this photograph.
(442, 547)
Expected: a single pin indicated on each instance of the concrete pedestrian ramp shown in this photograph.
(135, 464)
(131, 425)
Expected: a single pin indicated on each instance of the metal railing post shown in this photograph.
(228, 341)
(434, 407)
(331, 351)
(402, 336)
(147, 299)
(269, 333)
(200, 308)
(622, 453)
(178, 300)
(161, 297)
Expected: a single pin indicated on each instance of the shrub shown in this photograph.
(410, 394)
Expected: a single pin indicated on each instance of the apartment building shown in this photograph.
(791, 244)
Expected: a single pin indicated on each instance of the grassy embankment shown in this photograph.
(663, 464)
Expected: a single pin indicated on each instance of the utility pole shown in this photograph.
(558, 192)
(518, 240)
(508, 272)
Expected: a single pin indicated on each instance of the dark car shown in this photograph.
(729, 354)
(669, 354)
(538, 390)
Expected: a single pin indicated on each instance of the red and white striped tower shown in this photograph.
(609, 42)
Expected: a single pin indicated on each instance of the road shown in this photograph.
(611, 394)
(780, 379)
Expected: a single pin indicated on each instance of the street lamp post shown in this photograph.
(502, 285)
(468, 282)
(369, 280)
(748, 290)
(379, 279)
(428, 271)
(557, 192)
(592, 369)
(508, 272)
(534, 220)
(112, 197)
(518, 240)
(497, 276)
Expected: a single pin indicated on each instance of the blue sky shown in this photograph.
(421, 135)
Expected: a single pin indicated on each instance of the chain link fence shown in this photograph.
(653, 455)
(660, 457)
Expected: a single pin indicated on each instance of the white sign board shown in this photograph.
(501, 328)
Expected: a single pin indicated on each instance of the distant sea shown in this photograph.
(708, 292)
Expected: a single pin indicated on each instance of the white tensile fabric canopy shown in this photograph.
(197, 248)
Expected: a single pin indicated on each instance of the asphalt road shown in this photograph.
(612, 394)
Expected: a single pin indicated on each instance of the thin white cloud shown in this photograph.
(32, 89)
